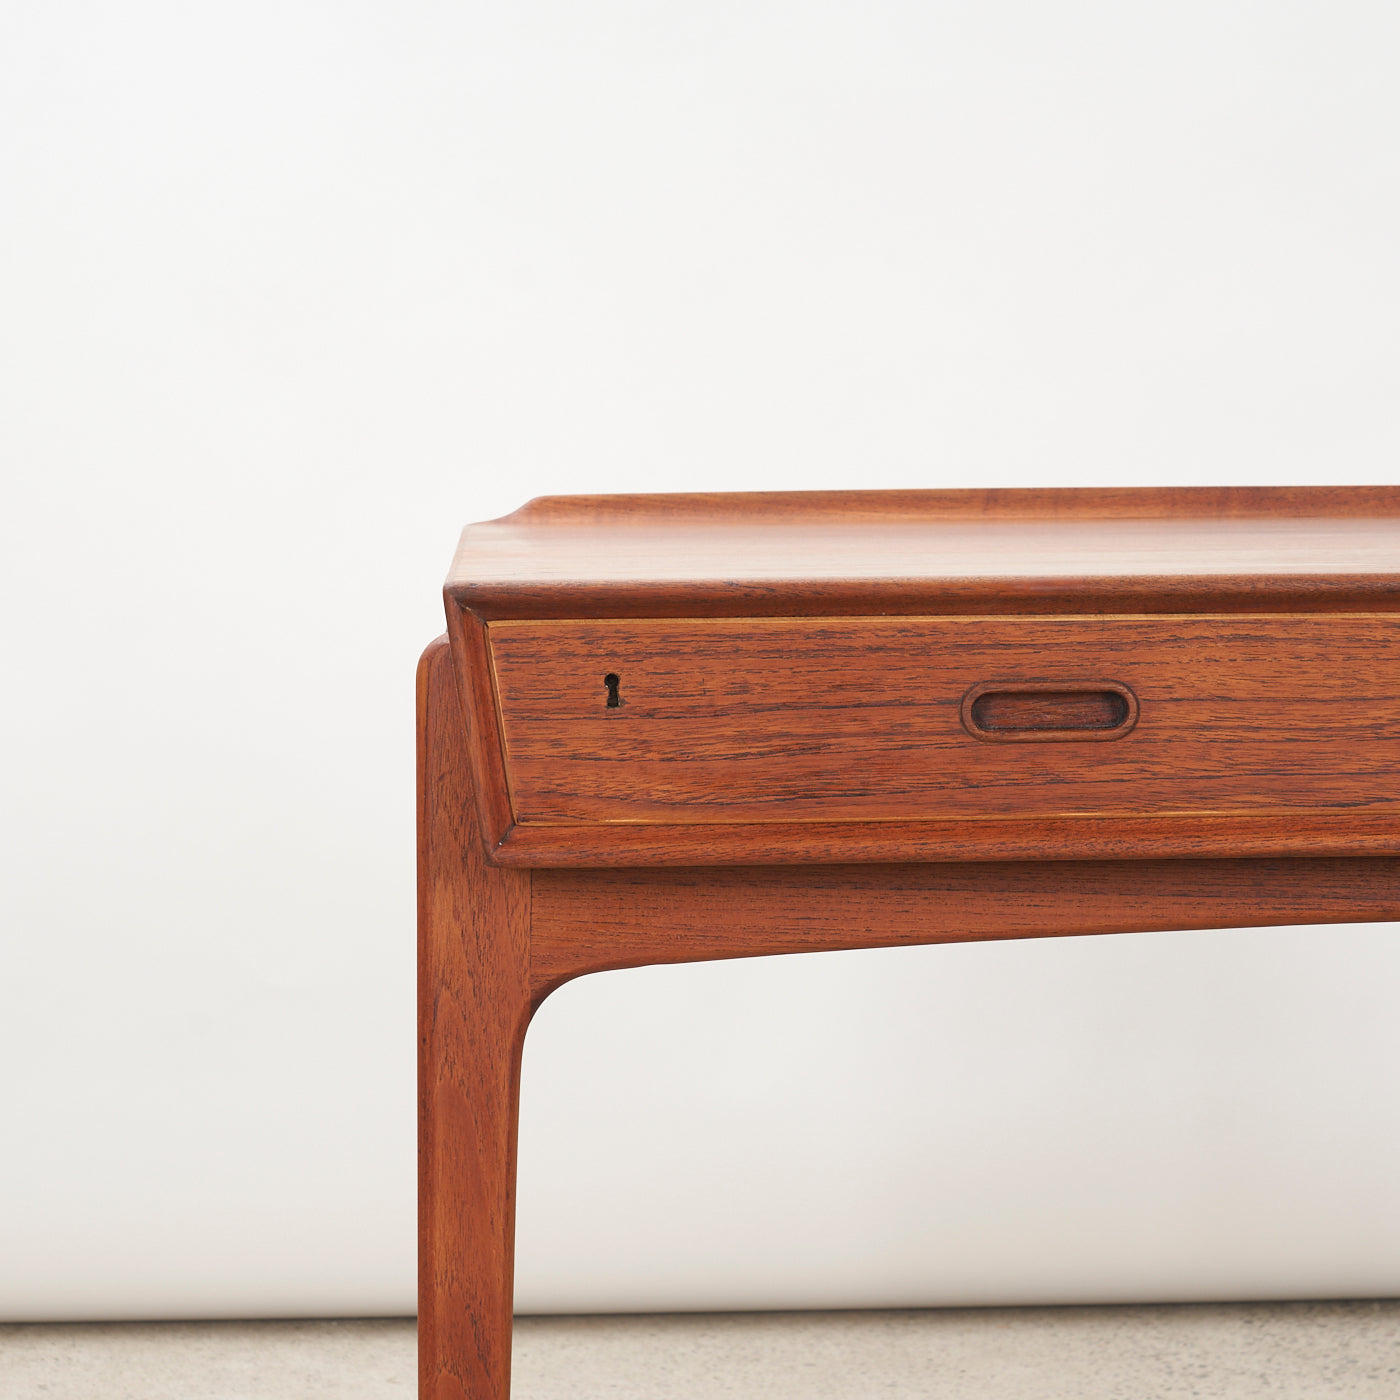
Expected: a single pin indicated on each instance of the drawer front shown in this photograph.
(973, 719)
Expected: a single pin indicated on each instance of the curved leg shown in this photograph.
(473, 1008)
(494, 940)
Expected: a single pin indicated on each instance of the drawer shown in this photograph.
(1135, 725)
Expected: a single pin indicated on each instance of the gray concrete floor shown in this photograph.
(1283, 1351)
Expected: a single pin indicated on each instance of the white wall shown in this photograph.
(291, 291)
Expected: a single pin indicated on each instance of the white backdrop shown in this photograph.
(291, 291)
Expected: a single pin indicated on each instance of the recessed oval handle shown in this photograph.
(1048, 711)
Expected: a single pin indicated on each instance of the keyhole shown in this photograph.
(612, 681)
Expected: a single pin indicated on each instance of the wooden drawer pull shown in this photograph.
(1040, 711)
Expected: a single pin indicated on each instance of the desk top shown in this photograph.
(934, 675)
(853, 552)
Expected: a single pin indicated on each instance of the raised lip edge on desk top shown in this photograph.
(542, 560)
(963, 503)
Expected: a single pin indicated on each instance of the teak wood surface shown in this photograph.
(669, 729)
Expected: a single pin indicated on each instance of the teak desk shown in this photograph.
(669, 728)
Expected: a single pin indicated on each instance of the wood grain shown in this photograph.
(1071, 558)
(872, 552)
(861, 721)
(828, 843)
(592, 920)
(480, 711)
(787, 768)
(473, 1007)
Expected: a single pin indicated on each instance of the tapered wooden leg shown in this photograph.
(473, 1008)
